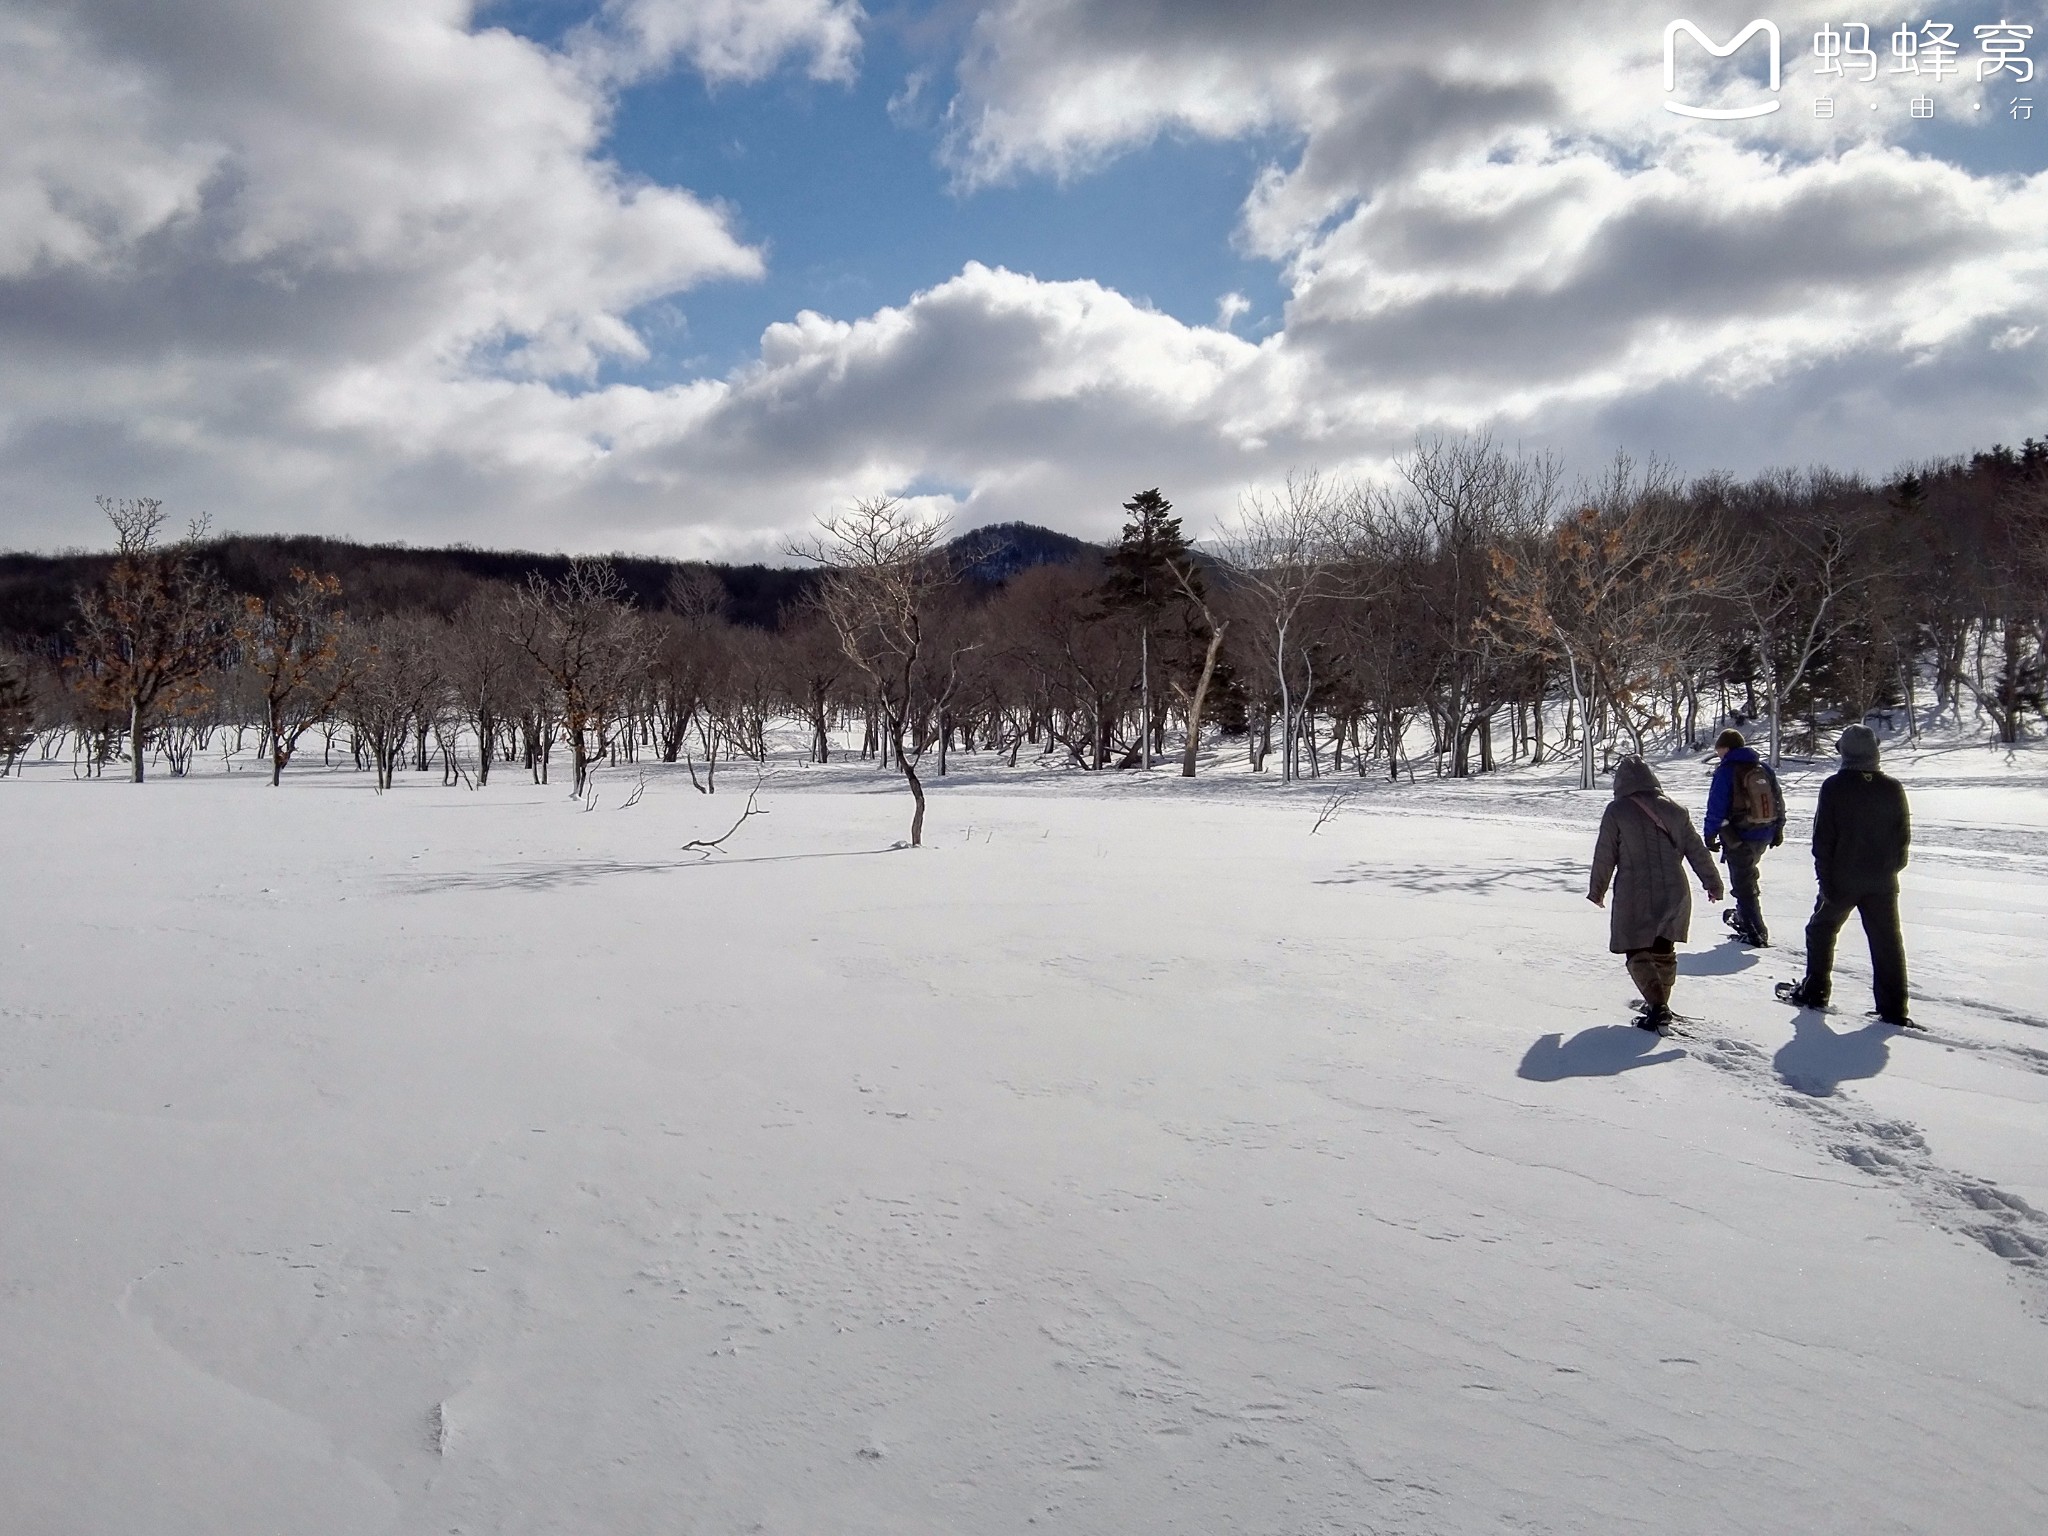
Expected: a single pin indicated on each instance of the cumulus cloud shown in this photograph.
(354, 265)
(86, 167)
(1485, 216)
(723, 40)
(229, 225)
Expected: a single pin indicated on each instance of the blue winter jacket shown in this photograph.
(1722, 791)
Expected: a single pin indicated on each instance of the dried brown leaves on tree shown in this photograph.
(292, 645)
(149, 635)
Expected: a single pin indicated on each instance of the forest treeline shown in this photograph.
(1471, 609)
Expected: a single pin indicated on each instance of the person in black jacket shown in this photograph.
(1861, 831)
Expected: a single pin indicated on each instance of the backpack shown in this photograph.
(1754, 802)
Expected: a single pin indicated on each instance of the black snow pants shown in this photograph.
(1742, 858)
(1879, 910)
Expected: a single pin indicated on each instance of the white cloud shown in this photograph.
(86, 166)
(1486, 216)
(226, 224)
(351, 265)
(724, 40)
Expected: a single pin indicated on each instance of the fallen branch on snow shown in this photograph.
(709, 846)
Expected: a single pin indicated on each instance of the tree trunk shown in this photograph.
(280, 754)
(135, 741)
(1579, 704)
(1286, 711)
(1145, 696)
(916, 785)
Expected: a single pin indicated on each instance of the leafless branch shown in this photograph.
(1332, 809)
(708, 846)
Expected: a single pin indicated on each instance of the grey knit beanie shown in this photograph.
(1858, 747)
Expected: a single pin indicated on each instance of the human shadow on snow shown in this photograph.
(1816, 1060)
(1725, 959)
(1605, 1050)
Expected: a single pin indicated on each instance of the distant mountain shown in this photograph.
(38, 592)
(992, 555)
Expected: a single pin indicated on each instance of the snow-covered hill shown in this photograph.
(1130, 1159)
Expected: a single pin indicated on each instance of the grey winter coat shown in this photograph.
(1647, 840)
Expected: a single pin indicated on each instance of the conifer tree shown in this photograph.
(1151, 570)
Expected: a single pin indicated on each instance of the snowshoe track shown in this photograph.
(1895, 1152)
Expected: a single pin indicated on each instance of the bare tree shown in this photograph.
(1805, 552)
(1612, 591)
(590, 645)
(1466, 496)
(292, 647)
(395, 680)
(487, 673)
(1187, 578)
(2004, 665)
(17, 713)
(813, 663)
(883, 574)
(1283, 555)
(153, 630)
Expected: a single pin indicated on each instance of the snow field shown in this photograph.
(1128, 1159)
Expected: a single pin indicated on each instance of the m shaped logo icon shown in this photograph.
(1719, 51)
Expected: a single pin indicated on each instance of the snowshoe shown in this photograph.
(1659, 1020)
(1799, 995)
(1897, 1021)
(1742, 931)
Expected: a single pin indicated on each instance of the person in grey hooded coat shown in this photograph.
(1646, 840)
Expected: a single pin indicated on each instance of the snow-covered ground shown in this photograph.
(1130, 1159)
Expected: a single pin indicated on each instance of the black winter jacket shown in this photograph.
(1861, 831)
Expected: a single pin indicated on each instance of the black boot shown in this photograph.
(1801, 994)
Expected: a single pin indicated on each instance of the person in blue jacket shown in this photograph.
(1745, 816)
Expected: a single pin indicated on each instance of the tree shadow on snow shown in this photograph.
(1436, 879)
(544, 877)
(1725, 959)
(1605, 1050)
(1816, 1060)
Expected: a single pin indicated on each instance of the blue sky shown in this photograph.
(842, 184)
(538, 272)
(854, 210)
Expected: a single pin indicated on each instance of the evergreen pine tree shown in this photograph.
(1142, 561)
(1147, 568)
